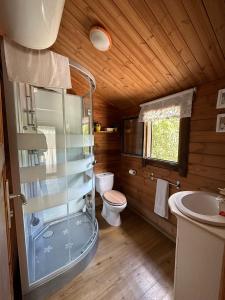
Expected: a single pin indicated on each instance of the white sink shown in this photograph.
(200, 206)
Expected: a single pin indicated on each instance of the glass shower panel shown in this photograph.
(56, 176)
(80, 174)
(87, 129)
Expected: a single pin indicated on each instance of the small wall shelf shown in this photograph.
(104, 131)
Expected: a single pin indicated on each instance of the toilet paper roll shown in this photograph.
(132, 172)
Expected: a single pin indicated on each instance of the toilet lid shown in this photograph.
(115, 197)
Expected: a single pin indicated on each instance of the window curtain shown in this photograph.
(42, 68)
(177, 105)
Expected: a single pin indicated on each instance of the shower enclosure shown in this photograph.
(51, 153)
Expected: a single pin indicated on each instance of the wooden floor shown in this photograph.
(133, 262)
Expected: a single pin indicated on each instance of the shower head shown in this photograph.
(34, 220)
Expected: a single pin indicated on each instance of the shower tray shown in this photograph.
(58, 247)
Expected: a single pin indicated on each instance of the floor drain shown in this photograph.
(48, 234)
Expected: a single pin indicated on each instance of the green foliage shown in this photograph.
(165, 139)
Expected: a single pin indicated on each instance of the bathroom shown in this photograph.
(112, 150)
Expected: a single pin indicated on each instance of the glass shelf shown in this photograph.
(49, 198)
(38, 172)
(37, 141)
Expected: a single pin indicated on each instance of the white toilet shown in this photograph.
(113, 201)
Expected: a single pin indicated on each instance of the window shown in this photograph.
(166, 143)
(166, 131)
(133, 136)
(164, 139)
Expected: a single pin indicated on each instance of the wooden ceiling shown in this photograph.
(159, 47)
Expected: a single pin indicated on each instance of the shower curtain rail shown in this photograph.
(84, 72)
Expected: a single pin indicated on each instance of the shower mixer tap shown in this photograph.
(21, 196)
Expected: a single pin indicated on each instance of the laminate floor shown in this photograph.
(133, 262)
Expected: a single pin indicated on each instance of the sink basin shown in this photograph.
(200, 206)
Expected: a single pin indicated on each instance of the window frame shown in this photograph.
(122, 137)
(183, 151)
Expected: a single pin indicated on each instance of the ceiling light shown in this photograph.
(100, 38)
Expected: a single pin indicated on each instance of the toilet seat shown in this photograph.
(115, 198)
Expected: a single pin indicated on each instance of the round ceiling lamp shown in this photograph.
(100, 38)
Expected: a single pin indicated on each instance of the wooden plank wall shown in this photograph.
(206, 168)
(107, 145)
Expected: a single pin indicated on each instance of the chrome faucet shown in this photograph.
(222, 193)
(221, 200)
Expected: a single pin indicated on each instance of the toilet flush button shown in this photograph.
(132, 172)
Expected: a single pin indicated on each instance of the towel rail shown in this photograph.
(177, 184)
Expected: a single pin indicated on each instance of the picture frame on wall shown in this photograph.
(221, 99)
(220, 123)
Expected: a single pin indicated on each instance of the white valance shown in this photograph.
(41, 68)
(177, 105)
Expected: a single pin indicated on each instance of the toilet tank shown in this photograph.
(104, 182)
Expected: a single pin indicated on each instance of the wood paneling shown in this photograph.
(107, 151)
(216, 10)
(159, 47)
(133, 261)
(107, 145)
(105, 113)
(206, 168)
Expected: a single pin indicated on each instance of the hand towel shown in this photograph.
(161, 198)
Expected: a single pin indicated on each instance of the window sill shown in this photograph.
(105, 131)
(161, 164)
(155, 162)
(177, 167)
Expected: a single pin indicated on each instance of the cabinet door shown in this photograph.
(199, 262)
(5, 273)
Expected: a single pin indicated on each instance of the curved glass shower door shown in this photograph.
(55, 148)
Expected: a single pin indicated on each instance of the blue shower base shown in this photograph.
(60, 251)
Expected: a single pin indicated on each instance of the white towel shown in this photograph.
(41, 68)
(161, 198)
